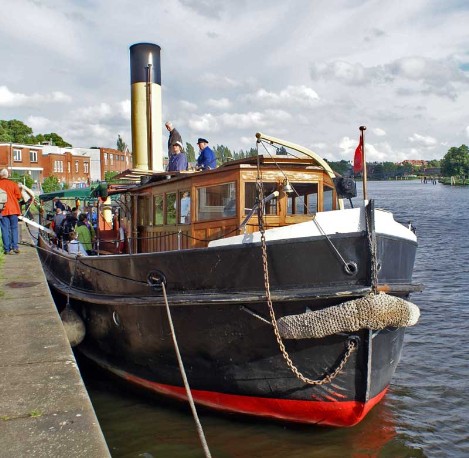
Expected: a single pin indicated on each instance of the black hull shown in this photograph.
(302, 268)
(233, 361)
(221, 318)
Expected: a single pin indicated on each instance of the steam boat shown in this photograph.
(286, 305)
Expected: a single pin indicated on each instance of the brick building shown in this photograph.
(113, 160)
(76, 167)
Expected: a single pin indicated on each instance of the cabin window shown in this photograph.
(143, 211)
(250, 192)
(158, 210)
(171, 208)
(328, 198)
(185, 207)
(303, 200)
(217, 201)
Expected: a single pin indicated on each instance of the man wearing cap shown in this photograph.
(177, 160)
(206, 159)
(174, 136)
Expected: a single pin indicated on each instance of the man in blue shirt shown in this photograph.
(206, 159)
(177, 160)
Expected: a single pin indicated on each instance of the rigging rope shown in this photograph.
(200, 431)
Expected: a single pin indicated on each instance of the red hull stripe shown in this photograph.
(337, 413)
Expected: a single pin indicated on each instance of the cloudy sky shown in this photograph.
(308, 71)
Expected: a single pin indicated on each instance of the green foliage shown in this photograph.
(51, 183)
(456, 162)
(121, 145)
(244, 154)
(16, 132)
(190, 153)
(342, 167)
(25, 179)
(109, 176)
(54, 138)
(223, 154)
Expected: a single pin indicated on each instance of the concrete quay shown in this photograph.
(45, 410)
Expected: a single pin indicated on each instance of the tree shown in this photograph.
(16, 132)
(342, 167)
(121, 145)
(190, 152)
(25, 179)
(223, 154)
(456, 162)
(109, 176)
(54, 138)
(51, 183)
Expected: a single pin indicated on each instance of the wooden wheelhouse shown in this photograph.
(183, 210)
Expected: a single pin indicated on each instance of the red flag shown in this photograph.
(358, 158)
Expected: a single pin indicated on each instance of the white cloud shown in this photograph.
(219, 81)
(94, 113)
(422, 141)
(302, 96)
(379, 132)
(204, 123)
(467, 131)
(350, 73)
(16, 99)
(39, 124)
(187, 106)
(125, 109)
(222, 103)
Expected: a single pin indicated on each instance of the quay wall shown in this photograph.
(45, 409)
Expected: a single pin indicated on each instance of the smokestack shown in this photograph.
(145, 83)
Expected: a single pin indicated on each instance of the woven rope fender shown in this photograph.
(375, 311)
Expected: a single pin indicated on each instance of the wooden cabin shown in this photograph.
(181, 210)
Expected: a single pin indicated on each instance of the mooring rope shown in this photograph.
(200, 431)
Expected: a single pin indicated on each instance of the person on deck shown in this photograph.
(58, 219)
(174, 136)
(206, 159)
(74, 246)
(59, 204)
(10, 213)
(85, 234)
(178, 160)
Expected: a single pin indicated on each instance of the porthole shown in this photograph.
(351, 268)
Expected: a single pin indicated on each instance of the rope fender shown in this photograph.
(375, 311)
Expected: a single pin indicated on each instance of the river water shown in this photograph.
(424, 414)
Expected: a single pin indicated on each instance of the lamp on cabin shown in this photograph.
(287, 187)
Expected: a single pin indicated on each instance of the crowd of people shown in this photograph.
(73, 229)
(177, 157)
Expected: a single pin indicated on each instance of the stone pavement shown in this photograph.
(45, 410)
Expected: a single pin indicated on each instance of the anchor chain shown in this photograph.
(351, 344)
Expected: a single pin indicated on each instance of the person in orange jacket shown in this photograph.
(10, 213)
